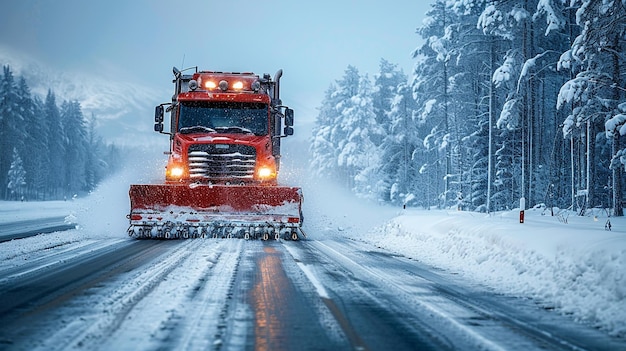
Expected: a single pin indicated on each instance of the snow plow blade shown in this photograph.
(172, 211)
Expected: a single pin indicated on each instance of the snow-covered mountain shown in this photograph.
(123, 109)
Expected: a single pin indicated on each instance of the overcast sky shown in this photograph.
(140, 40)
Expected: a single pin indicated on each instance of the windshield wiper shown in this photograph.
(233, 129)
(196, 129)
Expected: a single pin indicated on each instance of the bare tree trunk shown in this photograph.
(573, 171)
(492, 116)
(590, 155)
(448, 150)
(618, 210)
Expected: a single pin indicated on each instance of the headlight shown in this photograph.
(265, 173)
(177, 172)
(238, 85)
(174, 172)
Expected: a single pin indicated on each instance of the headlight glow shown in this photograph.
(238, 85)
(210, 84)
(265, 172)
(175, 172)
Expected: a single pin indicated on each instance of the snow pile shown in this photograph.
(569, 264)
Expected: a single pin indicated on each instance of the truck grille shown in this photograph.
(221, 161)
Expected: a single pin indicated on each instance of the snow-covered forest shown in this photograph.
(508, 99)
(47, 152)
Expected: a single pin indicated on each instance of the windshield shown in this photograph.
(223, 117)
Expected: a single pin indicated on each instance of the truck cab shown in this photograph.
(225, 128)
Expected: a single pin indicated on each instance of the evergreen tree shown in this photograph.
(344, 141)
(10, 125)
(34, 141)
(399, 174)
(359, 155)
(495, 86)
(323, 151)
(75, 147)
(596, 94)
(96, 166)
(56, 146)
(386, 84)
(470, 69)
(16, 177)
(347, 88)
(431, 90)
(59, 156)
(42, 175)
(91, 161)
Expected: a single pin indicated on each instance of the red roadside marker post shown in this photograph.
(522, 206)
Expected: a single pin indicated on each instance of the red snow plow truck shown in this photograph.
(221, 176)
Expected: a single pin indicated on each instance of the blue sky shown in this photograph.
(140, 40)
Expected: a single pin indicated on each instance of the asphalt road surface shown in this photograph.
(233, 294)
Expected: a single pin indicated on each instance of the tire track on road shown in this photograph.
(33, 300)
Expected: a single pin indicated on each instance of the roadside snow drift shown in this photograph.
(572, 265)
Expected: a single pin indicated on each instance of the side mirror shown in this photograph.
(158, 114)
(288, 117)
(288, 131)
(158, 119)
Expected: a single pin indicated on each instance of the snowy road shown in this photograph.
(23, 229)
(216, 294)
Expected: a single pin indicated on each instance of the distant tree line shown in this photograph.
(508, 99)
(47, 151)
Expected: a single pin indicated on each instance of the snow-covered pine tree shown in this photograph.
(75, 147)
(393, 113)
(56, 146)
(16, 176)
(33, 142)
(469, 79)
(41, 178)
(472, 57)
(344, 140)
(91, 158)
(323, 152)
(510, 20)
(430, 87)
(347, 88)
(596, 93)
(477, 55)
(386, 84)
(359, 155)
(604, 40)
(399, 181)
(10, 125)
(96, 164)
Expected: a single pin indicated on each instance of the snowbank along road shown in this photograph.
(64, 291)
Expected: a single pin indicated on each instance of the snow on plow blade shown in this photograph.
(171, 211)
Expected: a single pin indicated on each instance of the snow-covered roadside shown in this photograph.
(16, 211)
(576, 268)
(99, 216)
(564, 262)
